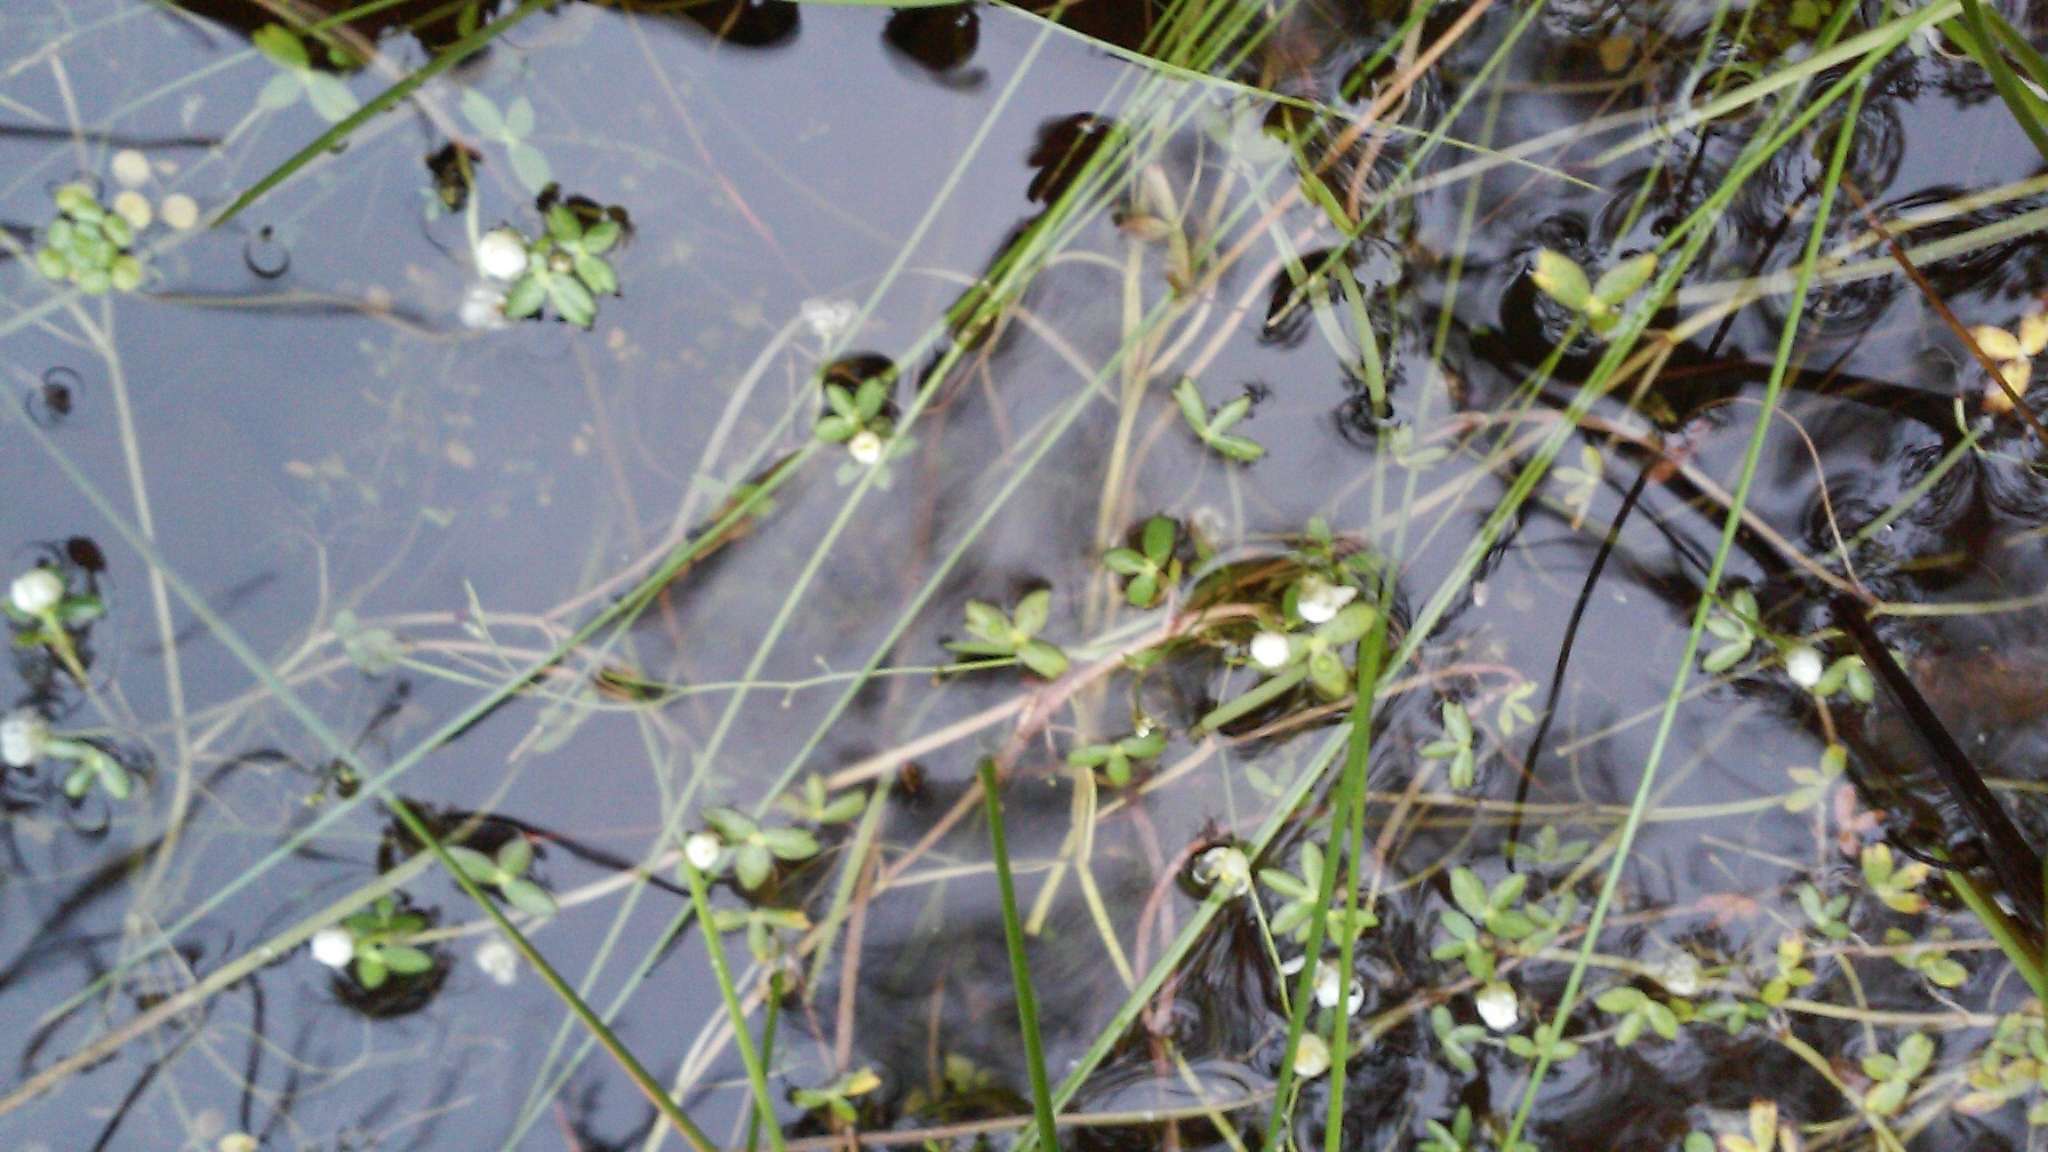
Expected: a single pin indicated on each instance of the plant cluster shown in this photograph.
(88, 245)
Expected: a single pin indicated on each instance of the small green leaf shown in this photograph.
(1229, 415)
(597, 275)
(1142, 590)
(1158, 539)
(330, 97)
(526, 297)
(528, 897)
(1561, 279)
(474, 864)
(752, 864)
(1043, 659)
(281, 46)
(1033, 611)
(790, 843)
(482, 114)
(572, 300)
(1348, 626)
(280, 92)
(605, 233)
(515, 856)
(530, 165)
(1327, 672)
(563, 225)
(1467, 890)
(731, 824)
(1238, 448)
(112, 776)
(1625, 279)
(519, 117)
(405, 959)
(1191, 407)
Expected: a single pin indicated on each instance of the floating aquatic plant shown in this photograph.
(1214, 428)
(506, 871)
(998, 634)
(755, 847)
(88, 245)
(26, 740)
(1599, 302)
(45, 612)
(1114, 757)
(566, 268)
(374, 941)
(511, 127)
(1149, 568)
(837, 1098)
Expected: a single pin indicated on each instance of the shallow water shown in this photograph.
(396, 513)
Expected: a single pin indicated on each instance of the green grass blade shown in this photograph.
(750, 1057)
(1020, 965)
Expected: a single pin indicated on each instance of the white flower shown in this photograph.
(483, 308)
(1327, 981)
(1803, 665)
(1311, 1056)
(501, 254)
(36, 591)
(1498, 1007)
(133, 207)
(334, 946)
(702, 849)
(865, 447)
(130, 168)
(498, 961)
(1318, 600)
(1679, 973)
(1225, 869)
(828, 319)
(180, 211)
(1270, 650)
(23, 735)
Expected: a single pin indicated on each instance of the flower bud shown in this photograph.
(23, 736)
(1270, 651)
(334, 946)
(501, 254)
(1498, 1007)
(36, 592)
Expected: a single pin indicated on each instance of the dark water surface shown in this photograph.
(398, 502)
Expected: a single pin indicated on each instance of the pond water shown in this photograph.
(1155, 355)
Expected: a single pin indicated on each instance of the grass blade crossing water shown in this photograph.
(1020, 964)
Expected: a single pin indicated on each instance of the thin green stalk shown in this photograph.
(1356, 764)
(771, 1015)
(1349, 795)
(750, 1057)
(1020, 965)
